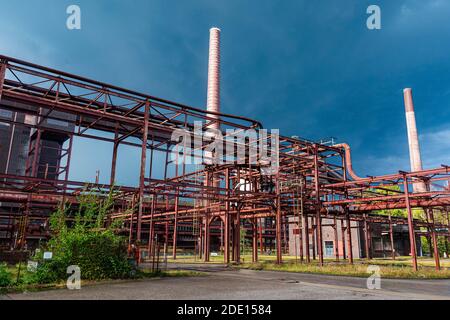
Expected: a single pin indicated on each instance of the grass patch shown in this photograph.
(146, 273)
(356, 270)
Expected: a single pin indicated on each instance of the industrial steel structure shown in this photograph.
(314, 181)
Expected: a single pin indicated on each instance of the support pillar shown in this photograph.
(206, 239)
(313, 238)
(391, 237)
(300, 238)
(349, 236)
(260, 233)
(255, 241)
(226, 254)
(151, 237)
(412, 235)
(142, 173)
(278, 224)
(435, 240)
(344, 255)
(366, 237)
(238, 236)
(175, 230)
(318, 206)
(336, 240)
(114, 157)
(2, 76)
(306, 229)
(448, 237)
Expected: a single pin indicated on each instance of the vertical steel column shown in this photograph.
(283, 228)
(300, 237)
(233, 236)
(200, 247)
(114, 156)
(151, 238)
(306, 229)
(227, 218)
(391, 237)
(175, 229)
(313, 237)
(66, 175)
(255, 240)
(336, 239)
(344, 255)
(366, 237)
(278, 222)
(448, 237)
(221, 236)
(11, 141)
(226, 253)
(435, 240)
(130, 236)
(142, 173)
(2, 75)
(318, 205)
(261, 249)
(206, 239)
(347, 216)
(166, 237)
(412, 235)
(237, 239)
(349, 235)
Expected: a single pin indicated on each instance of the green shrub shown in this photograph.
(86, 242)
(5, 276)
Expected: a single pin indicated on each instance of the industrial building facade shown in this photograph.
(26, 151)
(380, 242)
(43, 110)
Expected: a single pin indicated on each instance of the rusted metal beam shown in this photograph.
(412, 236)
(142, 170)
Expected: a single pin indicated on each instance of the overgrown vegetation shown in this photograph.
(83, 239)
(5, 276)
(356, 270)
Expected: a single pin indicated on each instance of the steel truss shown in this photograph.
(311, 184)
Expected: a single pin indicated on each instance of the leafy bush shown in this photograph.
(5, 276)
(86, 242)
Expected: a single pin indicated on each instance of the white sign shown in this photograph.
(48, 255)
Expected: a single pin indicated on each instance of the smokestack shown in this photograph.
(213, 98)
(413, 140)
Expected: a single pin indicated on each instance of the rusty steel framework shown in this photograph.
(314, 180)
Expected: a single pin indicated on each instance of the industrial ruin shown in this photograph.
(313, 206)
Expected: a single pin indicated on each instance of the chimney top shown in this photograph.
(407, 95)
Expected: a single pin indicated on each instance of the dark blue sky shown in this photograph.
(310, 68)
